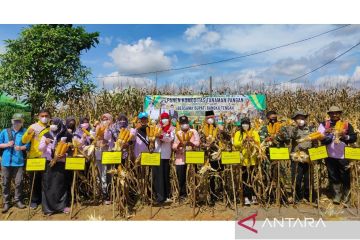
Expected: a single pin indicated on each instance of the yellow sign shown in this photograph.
(352, 153)
(192, 157)
(75, 163)
(279, 154)
(230, 157)
(150, 159)
(318, 153)
(35, 164)
(111, 157)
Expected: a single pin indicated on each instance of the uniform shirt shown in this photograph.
(39, 130)
(296, 133)
(180, 153)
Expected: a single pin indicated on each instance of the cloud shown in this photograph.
(143, 56)
(106, 40)
(201, 37)
(115, 81)
(195, 31)
(339, 79)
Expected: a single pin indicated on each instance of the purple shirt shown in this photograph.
(335, 150)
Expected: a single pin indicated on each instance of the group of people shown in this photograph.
(52, 187)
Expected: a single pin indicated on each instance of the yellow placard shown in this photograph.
(352, 153)
(192, 157)
(279, 154)
(35, 164)
(230, 157)
(75, 163)
(150, 159)
(111, 157)
(318, 153)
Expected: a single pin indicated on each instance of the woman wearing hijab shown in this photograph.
(70, 124)
(161, 174)
(56, 181)
(80, 136)
(242, 138)
(104, 142)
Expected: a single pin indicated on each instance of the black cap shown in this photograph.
(209, 113)
(183, 120)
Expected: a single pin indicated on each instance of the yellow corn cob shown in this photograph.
(316, 136)
(177, 126)
(148, 131)
(59, 147)
(215, 131)
(211, 129)
(179, 137)
(121, 134)
(205, 129)
(129, 137)
(86, 131)
(126, 135)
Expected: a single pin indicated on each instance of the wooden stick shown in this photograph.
(278, 184)
(294, 186)
(194, 191)
(241, 187)
(357, 190)
(72, 194)
(233, 187)
(310, 182)
(318, 189)
(151, 194)
(113, 194)
(31, 193)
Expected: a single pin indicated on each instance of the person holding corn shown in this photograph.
(13, 160)
(337, 134)
(33, 136)
(185, 139)
(56, 181)
(244, 140)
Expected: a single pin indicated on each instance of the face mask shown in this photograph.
(84, 125)
(104, 122)
(71, 125)
(122, 124)
(53, 128)
(273, 120)
(184, 126)
(300, 122)
(210, 121)
(165, 122)
(44, 120)
(245, 126)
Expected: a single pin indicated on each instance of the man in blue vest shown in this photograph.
(13, 159)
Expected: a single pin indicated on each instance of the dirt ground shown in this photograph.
(176, 212)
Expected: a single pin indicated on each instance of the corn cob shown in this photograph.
(59, 148)
(179, 137)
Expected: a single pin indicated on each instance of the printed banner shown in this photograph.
(35, 164)
(150, 159)
(192, 157)
(318, 153)
(232, 107)
(230, 157)
(279, 153)
(75, 163)
(111, 157)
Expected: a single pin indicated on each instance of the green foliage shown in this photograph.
(43, 67)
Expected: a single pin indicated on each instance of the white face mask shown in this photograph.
(210, 121)
(106, 122)
(184, 126)
(245, 126)
(165, 121)
(53, 128)
(44, 120)
(300, 122)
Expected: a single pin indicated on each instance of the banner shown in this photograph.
(232, 107)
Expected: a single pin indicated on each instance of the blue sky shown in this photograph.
(127, 49)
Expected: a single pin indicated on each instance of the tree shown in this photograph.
(43, 64)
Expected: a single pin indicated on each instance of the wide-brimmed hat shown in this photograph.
(334, 109)
(299, 113)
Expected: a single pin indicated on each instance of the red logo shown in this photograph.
(241, 223)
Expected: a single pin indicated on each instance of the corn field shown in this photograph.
(130, 184)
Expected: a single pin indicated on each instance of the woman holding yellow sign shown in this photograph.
(56, 181)
(245, 139)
